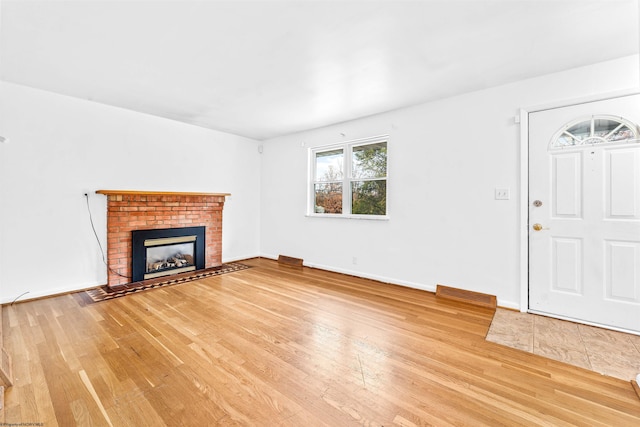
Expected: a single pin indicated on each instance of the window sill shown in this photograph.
(361, 217)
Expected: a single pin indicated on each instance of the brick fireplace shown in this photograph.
(147, 210)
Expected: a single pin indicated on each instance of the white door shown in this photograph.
(584, 213)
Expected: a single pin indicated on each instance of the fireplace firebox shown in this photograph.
(167, 251)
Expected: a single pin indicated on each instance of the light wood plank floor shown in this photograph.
(282, 346)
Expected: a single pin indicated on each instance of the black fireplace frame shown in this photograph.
(139, 252)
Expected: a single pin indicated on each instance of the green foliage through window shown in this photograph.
(369, 197)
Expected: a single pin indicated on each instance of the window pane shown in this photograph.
(565, 140)
(369, 197)
(621, 134)
(329, 165)
(328, 198)
(581, 131)
(369, 161)
(602, 127)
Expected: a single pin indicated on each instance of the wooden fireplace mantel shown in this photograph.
(157, 193)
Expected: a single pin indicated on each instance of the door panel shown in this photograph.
(622, 184)
(621, 280)
(567, 185)
(567, 265)
(584, 259)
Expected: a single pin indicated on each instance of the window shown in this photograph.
(350, 179)
(594, 130)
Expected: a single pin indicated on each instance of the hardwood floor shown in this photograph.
(276, 345)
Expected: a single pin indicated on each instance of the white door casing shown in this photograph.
(584, 262)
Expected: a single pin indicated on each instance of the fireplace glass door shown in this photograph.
(169, 256)
(168, 251)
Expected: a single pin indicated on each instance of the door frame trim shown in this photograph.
(523, 116)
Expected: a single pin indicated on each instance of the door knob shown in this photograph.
(538, 227)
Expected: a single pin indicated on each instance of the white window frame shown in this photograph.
(347, 179)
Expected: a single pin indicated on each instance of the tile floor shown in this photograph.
(611, 353)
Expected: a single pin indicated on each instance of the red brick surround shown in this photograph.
(137, 210)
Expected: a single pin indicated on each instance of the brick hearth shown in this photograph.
(145, 210)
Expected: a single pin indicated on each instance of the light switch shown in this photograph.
(503, 194)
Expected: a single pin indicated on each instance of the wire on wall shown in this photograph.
(104, 260)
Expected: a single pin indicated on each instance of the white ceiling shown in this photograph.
(268, 68)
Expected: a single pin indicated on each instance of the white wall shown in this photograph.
(61, 147)
(445, 160)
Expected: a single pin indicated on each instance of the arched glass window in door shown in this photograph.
(595, 130)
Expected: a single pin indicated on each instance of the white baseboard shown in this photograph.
(383, 279)
(422, 286)
(508, 304)
(20, 296)
(240, 258)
